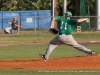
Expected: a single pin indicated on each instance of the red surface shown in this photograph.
(66, 63)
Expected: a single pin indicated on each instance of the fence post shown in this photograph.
(35, 24)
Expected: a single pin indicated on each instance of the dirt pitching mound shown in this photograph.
(64, 63)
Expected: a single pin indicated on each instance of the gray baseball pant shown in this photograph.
(64, 39)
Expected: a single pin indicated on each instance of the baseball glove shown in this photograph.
(54, 31)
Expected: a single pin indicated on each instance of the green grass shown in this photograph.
(44, 36)
(24, 51)
(48, 72)
(32, 51)
(85, 36)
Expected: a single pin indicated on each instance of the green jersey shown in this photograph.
(66, 25)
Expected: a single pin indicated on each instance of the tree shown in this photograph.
(77, 4)
(91, 5)
(8, 4)
(15, 5)
(74, 6)
(59, 7)
(20, 5)
(41, 4)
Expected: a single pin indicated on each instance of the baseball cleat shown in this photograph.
(93, 53)
(43, 57)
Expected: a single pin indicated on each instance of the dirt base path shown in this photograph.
(66, 63)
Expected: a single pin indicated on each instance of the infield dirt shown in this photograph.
(63, 63)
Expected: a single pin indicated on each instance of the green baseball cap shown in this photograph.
(68, 13)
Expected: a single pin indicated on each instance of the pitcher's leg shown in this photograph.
(71, 41)
(49, 50)
(52, 45)
(82, 48)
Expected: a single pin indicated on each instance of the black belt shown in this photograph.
(64, 34)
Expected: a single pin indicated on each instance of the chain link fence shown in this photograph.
(79, 27)
(43, 22)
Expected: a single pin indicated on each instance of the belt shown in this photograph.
(64, 34)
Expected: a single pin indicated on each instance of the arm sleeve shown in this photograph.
(73, 21)
(57, 18)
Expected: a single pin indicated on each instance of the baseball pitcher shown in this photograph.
(65, 35)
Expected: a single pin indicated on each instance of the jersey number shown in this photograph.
(64, 25)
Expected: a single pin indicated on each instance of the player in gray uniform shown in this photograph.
(65, 35)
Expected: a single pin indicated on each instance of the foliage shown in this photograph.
(14, 5)
(59, 7)
(41, 4)
(91, 5)
(18, 5)
(73, 5)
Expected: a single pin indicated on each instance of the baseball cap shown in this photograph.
(68, 13)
